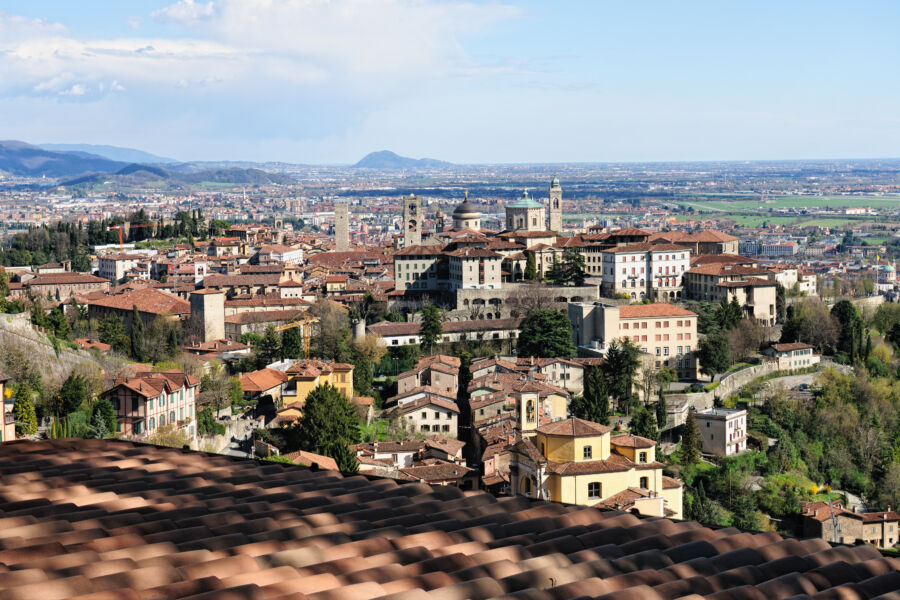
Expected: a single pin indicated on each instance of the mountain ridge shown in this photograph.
(117, 153)
(385, 159)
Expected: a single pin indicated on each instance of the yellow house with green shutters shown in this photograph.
(579, 462)
(306, 375)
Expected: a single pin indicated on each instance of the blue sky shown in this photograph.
(327, 81)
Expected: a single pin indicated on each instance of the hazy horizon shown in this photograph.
(309, 82)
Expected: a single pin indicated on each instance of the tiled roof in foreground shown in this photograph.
(107, 519)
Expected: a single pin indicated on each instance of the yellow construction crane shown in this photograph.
(305, 322)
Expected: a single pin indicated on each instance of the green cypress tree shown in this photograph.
(530, 267)
(661, 412)
(138, 341)
(690, 441)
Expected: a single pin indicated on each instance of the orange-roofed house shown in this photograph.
(580, 462)
(665, 332)
(645, 270)
(145, 400)
(263, 382)
(306, 375)
(150, 303)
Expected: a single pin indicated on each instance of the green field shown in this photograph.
(795, 202)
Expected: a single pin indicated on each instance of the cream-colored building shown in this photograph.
(526, 214)
(666, 333)
(475, 269)
(750, 285)
(579, 462)
(796, 355)
(723, 431)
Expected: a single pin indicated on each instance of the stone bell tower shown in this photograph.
(412, 221)
(555, 206)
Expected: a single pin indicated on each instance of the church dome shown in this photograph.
(466, 210)
(525, 202)
(555, 182)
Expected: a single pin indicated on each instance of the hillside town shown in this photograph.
(526, 360)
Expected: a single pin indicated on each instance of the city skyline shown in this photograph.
(466, 82)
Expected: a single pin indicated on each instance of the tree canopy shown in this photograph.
(432, 330)
(546, 333)
(714, 354)
(329, 426)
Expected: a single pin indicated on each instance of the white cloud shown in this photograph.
(342, 47)
(185, 12)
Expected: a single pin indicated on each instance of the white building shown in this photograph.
(645, 271)
(475, 269)
(796, 355)
(281, 253)
(723, 431)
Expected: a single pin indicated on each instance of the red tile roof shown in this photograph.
(123, 520)
(628, 440)
(262, 380)
(657, 309)
(148, 300)
(791, 347)
(574, 427)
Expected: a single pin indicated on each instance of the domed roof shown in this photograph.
(555, 182)
(525, 202)
(889, 268)
(466, 209)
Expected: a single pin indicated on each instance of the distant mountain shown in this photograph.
(24, 160)
(136, 174)
(386, 159)
(128, 155)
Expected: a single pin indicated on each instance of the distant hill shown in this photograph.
(25, 160)
(385, 159)
(135, 174)
(128, 155)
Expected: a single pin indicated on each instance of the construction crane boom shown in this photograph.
(121, 227)
(305, 323)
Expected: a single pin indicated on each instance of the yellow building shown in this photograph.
(579, 462)
(306, 375)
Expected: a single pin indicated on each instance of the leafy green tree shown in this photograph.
(729, 314)
(104, 408)
(331, 339)
(848, 322)
(168, 435)
(269, 348)
(643, 423)
(530, 267)
(97, 430)
(292, 343)
(23, 411)
(662, 413)
(58, 322)
(363, 374)
(690, 441)
(546, 333)
(138, 341)
(556, 275)
(207, 425)
(743, 511)
(780, 304)
(111, 331)
(621, 367)
(431, 330)
(714, 354)
(74, 393)
(574, 266)
(329, 426)
(594, 404)
(886, 316)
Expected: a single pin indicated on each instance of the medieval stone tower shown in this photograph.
(412, 221)
(555, 207)
(341, 227)
(207, 319)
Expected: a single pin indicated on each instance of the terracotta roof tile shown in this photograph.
(114, 519)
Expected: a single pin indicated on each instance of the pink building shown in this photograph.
(145, 401)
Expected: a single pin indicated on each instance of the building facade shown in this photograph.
(666, 333)
(640, 271)
(579, 462)
(145, 401)
(723, 431)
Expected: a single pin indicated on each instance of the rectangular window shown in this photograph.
(588, 452)
(642, 457)
(665, 351)
(594, 490)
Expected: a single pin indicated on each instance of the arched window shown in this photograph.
(529, 411)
